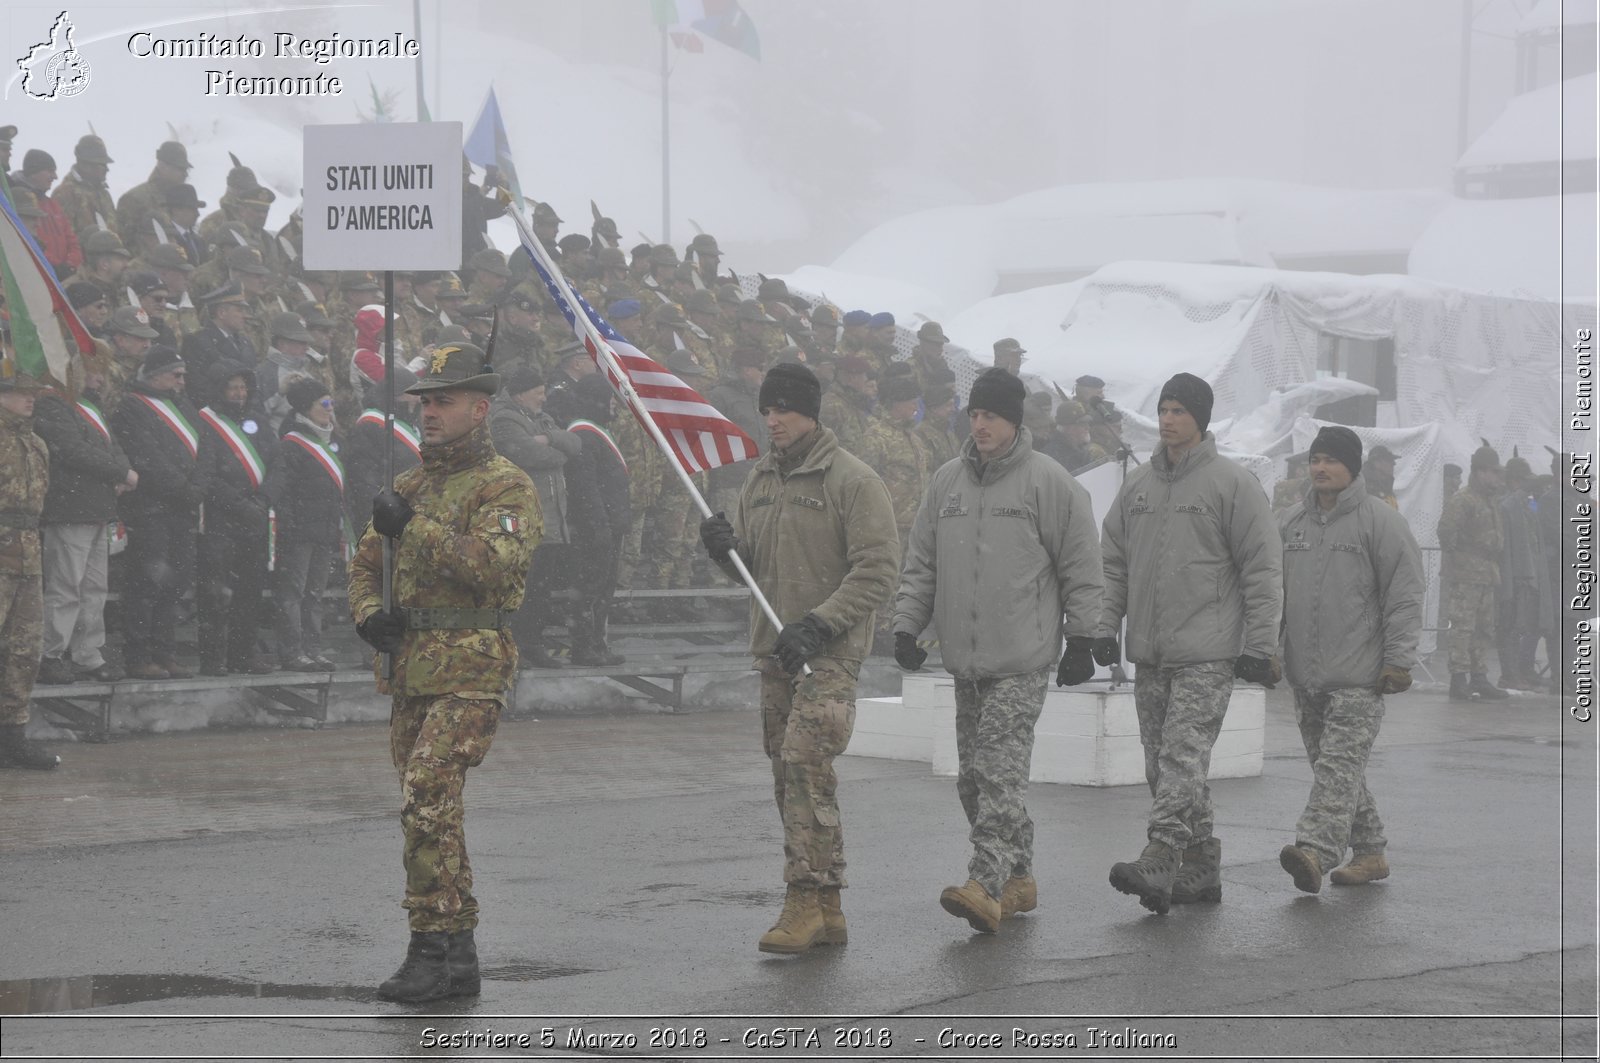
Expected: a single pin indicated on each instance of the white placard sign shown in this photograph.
(383, 195)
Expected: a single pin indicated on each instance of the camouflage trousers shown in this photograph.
(434, 739)
(806, 721)
(1180, 714)
(674, 537)
(994, 752)
(1338, 728)
(21, 639)
(1471, 618)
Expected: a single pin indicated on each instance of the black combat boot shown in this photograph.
(1484, 689)
(536, 656)
(462, 957)
(17, 752)
(1200, 878)
(1149, 877)
(1458, 687)
(426, 973)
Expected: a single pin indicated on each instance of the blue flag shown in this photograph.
(487, 145)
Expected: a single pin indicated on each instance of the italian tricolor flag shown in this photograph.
(35, 302)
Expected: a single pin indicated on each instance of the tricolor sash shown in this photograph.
(238, 442)
(91, 413)
(581, 425)
(407, 435)
(173, 418)
(326, 458)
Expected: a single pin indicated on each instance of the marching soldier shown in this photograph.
(464, 524)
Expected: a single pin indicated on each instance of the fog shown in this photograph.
(856, 113)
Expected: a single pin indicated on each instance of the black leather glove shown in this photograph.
(1077, 664)
(1106, 651)
(383, 631)
(799, 641)
(716, 533)
(1263, 670)
(907, 654)
(391, 513)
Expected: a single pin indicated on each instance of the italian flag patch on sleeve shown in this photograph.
(510, 524)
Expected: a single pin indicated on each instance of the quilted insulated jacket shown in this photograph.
(1193, 560)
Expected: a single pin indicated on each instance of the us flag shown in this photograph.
(699, 436)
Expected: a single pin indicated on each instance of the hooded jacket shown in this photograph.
(171, 485)
(821, 540)
(1352, 591)
(86, 464)
(1193, 560)
(998, 555)
(513, 430)
(236, 506)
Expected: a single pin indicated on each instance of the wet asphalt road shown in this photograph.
(235, 893)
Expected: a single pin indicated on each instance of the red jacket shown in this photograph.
(56, 238)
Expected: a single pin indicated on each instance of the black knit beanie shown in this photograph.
(791, 386)
(1000, 393)
(1340, 444)
(1193, 394)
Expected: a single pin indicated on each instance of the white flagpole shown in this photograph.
(604, 354)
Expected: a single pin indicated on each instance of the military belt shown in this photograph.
(456, 619)
(10, 518)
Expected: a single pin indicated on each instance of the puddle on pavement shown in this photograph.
(32, 996)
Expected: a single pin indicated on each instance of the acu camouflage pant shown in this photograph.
(1471, 617)
(434, 739)
(1180, 714)
(806, 721)
(994, 751)
(21, 637)
(1338, 728)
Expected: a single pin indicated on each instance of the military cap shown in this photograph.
(668, 314)
(174, 154)
(246, 260)
(1382, 451)
(81, 294)
(1008, 346)
(772, 288)
(638, 251)
(936, 395)
(315, 315)
(938, 373)
(290, 326)
(489, 260)
(730, 294)
(475, 311)
(1517, 465)
(611, 258)
(184, 196)
(824, 316)
(456, 365)
(1072, 412)
(622, 308)
(145, 283)
(702, 299)
(524, 302)
(1485, 458)
(90, 148)
(545, 212)
(450, 334)
(750, 354)
(882, 319)
(933, 332)
(573, 243)
(8, 133)
(523, 378)
(663, 255)
(681, 362)
(105, 242)
(606, 228)
(750, 310)
(704, 244)
(10, 378)
(1088, 380)
(450, 288)
(228, 293)
(26, 202)
(855, 363)
(899, 389)
(857, 317)
(132, 321)
(37, 160)
(169, 256)
(357, 280)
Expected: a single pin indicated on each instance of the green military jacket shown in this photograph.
(477, 523)
(24, 479)
(85, 205)
(900, 458)
(1472, 537)
(847, 413)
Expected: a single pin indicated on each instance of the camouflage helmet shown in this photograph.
(457, 365)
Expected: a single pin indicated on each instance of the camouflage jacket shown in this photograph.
(942, 444)
(24, 480)
(135, 208)
(85, 205)
(898, 455)
(477, 522)
(849, 414)
(1472, 536)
